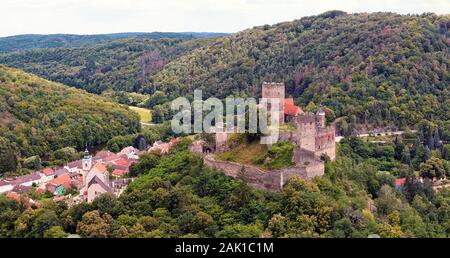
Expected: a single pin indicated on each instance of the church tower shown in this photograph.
(87, 161)
(87, 164)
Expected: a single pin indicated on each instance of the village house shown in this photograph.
(130, 152)
(60, 185)
(118, 173)
(90, 175)
(28, 180)
(163, 147)
(105, 156)
(47, 174)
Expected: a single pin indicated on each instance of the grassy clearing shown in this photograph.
(276, 157)
(244, 154)
(145, 114)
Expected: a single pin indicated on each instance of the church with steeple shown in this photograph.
(95, 178)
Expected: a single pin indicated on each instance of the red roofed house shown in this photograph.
(47, 174)
(119, 173)
(122, 162)
(59, 185)
(399, 183)
(105, 156)
(291, 110)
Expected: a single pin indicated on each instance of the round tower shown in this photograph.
(320, 116)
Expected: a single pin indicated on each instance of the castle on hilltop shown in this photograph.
(312, 138)
(311, 133)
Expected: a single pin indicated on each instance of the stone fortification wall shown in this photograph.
(272, 180)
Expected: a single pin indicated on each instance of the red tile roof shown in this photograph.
(14, 196)
(120, 167)
(63, 180)
(48, 171)
(291, 109)
(118, 173)
(400, 182)
(100, 167)
(101, 155)
(122, 162)
(289, 101)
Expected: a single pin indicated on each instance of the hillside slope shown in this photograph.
(372, 68)
(120, 65)
(32, 41)
(38, 116)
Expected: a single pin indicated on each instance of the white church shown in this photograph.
(95, 179)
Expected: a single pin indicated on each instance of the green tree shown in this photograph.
(434, 168)
(33, 163)
(201, 223)
(55, 232)
(8, 159)
(94, 226)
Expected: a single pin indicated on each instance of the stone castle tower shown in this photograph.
(221, 137)
(274, 90)
(314, 136)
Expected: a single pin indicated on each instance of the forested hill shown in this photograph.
(120, 65)
(374, 68)
(38, 117)
(379, 68)
(31, 41)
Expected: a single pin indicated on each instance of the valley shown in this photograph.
(87, 148)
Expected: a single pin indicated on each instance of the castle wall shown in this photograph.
(221, 141)
(315, 169)
(325, 142)
(302, 157)
(286, 136)
(272, 180)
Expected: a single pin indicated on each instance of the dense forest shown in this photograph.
(38, 117)
(120, 65)
(177, 196)
(377, 68)
(31, 41)
(382, 69)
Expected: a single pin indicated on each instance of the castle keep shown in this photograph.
(312, 140)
